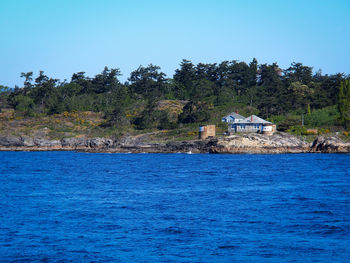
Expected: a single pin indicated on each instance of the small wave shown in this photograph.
(326, 229)
(111, 227)
(301, 198)
(228, 247)
(80, 251)
(322, 212)
(172, 230)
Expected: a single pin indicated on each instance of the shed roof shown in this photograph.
(235, 115)
(254, 119)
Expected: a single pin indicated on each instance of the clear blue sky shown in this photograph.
(66, 36)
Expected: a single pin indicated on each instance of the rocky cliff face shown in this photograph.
(260, 143)
(329, 145)
(24, 143)
(246, 143)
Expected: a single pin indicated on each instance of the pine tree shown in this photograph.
(344, 103)
(308, 109)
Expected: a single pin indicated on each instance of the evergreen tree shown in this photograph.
(344, 103)
(185, 75)
(4, 92)
(148, 81)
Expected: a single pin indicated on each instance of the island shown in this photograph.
(244, 108)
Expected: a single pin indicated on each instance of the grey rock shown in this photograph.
(100, 143)
(11, 141)
(74, 142)
(330, 145)
(260, 143)
(133, 141)
(46, 143)
(27, 141)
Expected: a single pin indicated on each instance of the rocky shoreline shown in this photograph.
(245, 143)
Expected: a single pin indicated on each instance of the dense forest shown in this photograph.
(206, 92)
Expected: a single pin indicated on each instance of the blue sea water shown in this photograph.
(79, 207)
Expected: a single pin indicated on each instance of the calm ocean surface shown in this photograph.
(79, 207)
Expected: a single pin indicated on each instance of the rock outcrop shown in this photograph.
(74, 142)
(260, 143)
(11, 141)
(245, 143)
(329, 145)
(25, 143)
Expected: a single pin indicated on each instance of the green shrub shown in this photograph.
(325, 117)
(288, 123)
(297, 130)
(24, 104)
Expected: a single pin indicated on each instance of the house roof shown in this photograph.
(254, 119)
(235, 115)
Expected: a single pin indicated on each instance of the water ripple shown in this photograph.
(77, 207)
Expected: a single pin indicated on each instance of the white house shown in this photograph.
(233, 117)
(250, 124)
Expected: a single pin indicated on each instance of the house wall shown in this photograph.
(230, 120)
(269, 129)
(245, 128)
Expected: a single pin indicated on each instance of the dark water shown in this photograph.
(77, 207)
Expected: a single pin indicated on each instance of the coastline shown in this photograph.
(278, 143)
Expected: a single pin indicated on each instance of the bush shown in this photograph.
(323, 117)
(289, 123)
(312, 132)
(323, 131)
(195, 112)
(24, 104)
(298, 130)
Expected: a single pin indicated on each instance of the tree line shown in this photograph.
(267, 88)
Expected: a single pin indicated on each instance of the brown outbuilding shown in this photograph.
(206, 131)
